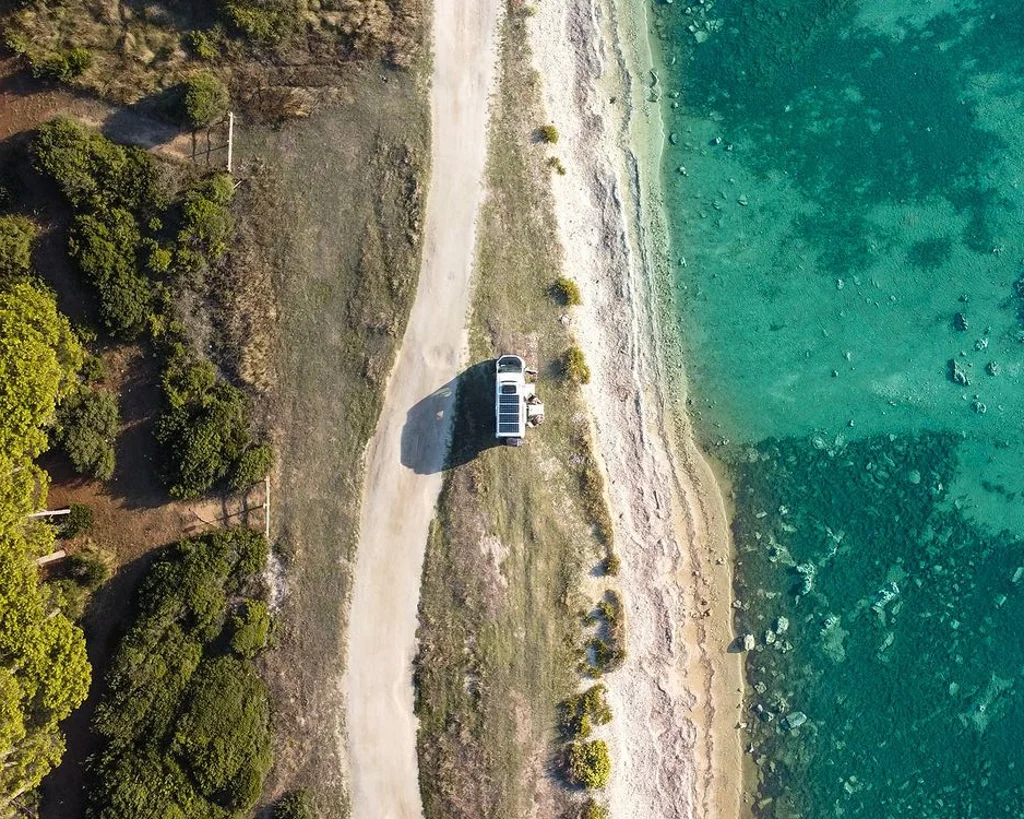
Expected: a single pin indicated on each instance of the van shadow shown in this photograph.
(429, 445)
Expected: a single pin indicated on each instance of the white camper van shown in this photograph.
(516, 405)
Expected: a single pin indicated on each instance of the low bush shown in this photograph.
(567, 292)
(262, 22)
(79, 520)
(593, 810)
(611, 565)
(548, 134)
(185, 723)
(579, 713)
(91, 567)
(575, 367)
(253, 466)
(556, 165)
(87, 426)
(293, 805)
(204, 100)
(63, 66)
(16, 237)
(588, 764)
(204, 431)
(251, 629)
(206, 44)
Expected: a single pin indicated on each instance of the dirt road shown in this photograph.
(406, 454)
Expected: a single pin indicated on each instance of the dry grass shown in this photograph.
(516, 528)
(142, 49)
(341, 217)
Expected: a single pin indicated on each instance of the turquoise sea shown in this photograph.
(845, 185)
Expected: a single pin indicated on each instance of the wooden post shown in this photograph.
(266, 509)
(231, 137)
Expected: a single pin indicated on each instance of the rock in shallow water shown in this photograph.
(794, 720)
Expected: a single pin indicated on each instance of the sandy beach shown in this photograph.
(675, 740)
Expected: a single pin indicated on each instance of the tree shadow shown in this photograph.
(429, 444)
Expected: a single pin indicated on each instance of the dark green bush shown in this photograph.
(185, 723)
(206, 44)
(582, 711)
(16, 237)
(294, 805)
(262, 21)
(253, 466)
(574, 366)
(593, 810)
(612, 565)
(204, 100)
(93, 369)
(204, 431)
(251, 629)
(91, 567)
(104, 247)
(78, 521)
(206, 222)
(567, 292)
(588, 764)
(63, 66)
(87, 426)
(95, 173)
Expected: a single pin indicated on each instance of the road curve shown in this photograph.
(405, 457)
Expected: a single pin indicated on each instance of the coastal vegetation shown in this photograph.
(567, 292)
(504, 574)
(185, 719)
(575, 367)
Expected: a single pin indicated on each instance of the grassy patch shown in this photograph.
(516, 528)
(336, 230)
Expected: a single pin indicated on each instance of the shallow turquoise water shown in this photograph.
(844, 182)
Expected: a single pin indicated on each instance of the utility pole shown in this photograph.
(231, 137)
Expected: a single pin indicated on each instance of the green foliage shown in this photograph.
(582, 711)
(204, 100)
(588, 764)
(91, 567)
(251, 629)
(206, 220)
(253, 466)
(567, 292)
(206, 44)
(575, 367)
(262, 21)
(87, 426)
(95, 173)
(62, 66)
(593, 810)
(39, 357)
(612, 564)
(204, 431)
(93, 369)
(79, 520)
(293, 805)
(556, 165)
(16, 237)
(44, 672)
(548, 134)
(186, 724)
(104, 247)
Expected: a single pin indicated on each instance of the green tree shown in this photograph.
(87, 426)
(16, 237)
(204, 99)
(293, 805)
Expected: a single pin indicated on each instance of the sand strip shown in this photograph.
(406, 455)
(675, 744)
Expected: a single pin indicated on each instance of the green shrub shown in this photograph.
(204, 431)
(206, 44)
(87, 426)
(593, 810)
(548, 134)
(185, 723)
(91, 567)
(293, 805)
(207, 223)
(62, 66)
(16, 237)
(588, 764)
(250, 629)
(104, 247)
(574, 366)
(611, 565)
(567, 292)
(253, 466)
(93, 369)
(556, 165)
(158, 259)
(582, 711)
(262, 22)
(204, 100)
(78, 521)
(95, 173)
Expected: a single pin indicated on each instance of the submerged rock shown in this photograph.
(794, 720)
(957, 374)
(960, 322)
